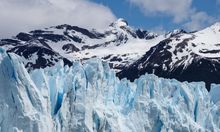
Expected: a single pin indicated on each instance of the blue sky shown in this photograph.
(135, 17)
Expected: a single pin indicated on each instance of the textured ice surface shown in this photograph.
(215, 93)
(22, 107)
(91, 98)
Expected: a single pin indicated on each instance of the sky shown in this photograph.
(166, 15)
(154, 15)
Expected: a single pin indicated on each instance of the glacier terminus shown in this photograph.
(89, 97)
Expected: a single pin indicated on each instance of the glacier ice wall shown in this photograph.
(90, 98)
(22, 108)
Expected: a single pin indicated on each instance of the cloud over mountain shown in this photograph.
(180, 11)
(166, 7)
(22, 15)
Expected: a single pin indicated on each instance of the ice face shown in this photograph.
(22, 107)
(90, 97)
(215, 93)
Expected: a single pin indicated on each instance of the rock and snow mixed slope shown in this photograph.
(90, 97)
(120, 45)
(130, 52)
(183, 56)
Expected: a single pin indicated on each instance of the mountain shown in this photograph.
(120, 45)
(183, 56)
(89, 97)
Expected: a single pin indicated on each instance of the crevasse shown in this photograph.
(89, 97)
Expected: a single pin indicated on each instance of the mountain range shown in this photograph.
(185, 56)
(70, 79)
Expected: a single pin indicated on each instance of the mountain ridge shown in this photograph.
(125, 49)
(185, 57)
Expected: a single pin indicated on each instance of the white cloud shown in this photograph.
(178, 9)
(24, 15)
(181, 11)
(199, 20)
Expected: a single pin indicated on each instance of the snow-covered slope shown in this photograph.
(120, 45)
(91, 98)
(183, 56)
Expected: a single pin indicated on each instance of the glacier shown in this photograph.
(89, 97)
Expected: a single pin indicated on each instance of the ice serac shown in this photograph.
(22, 107)
(89, 97)
(94, 99)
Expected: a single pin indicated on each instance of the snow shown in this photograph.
(120, 23)
(130, 50)
(119, 40)
(208, 39)
(90, 97)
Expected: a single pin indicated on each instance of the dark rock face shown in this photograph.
(13, 42)
(144, 34)
(24, 37)
(118, 59)
(33, 47)
(41, 62)
(74, 38)
(44, 57)
(158, 61)
(36, 35)
(81, 30)
(70, 48)
(36, 47)
(51, 37)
